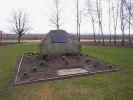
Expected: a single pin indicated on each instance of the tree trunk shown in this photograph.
(130, 23)
(109, 24)
(19, 39)
(102, 34)
(110, 38)
(94, 33)
(78, 19)
(115, 39)
(122, 24)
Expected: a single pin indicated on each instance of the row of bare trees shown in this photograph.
(120, 15)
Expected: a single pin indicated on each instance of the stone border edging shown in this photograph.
(64, 77)
(18, 69)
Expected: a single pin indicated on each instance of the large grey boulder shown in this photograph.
(59, 42)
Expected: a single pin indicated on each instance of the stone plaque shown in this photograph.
(71, 71)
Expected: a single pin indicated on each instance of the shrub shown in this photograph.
(25, 73)
(87, 55)
(34, 68)
(110, 66)
(63, 57)
(44, 57)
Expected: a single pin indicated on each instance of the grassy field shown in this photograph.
(107, 86)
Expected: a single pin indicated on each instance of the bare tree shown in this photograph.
(20, 24)
(128, 17)
(92, 14)
(115, 11)
(122, 19)
(129, 9)
(93, 25)
(79, 26)
(78, 23)
(109, 22)
(55, 19)
(99, 14)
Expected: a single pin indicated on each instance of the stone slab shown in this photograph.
(71, 71)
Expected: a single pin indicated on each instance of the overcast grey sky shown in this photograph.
(39, 12)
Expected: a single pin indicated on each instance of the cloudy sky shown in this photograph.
(39, 12)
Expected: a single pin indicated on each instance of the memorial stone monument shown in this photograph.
(59, 42)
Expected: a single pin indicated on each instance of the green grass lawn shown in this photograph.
(107, 86)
